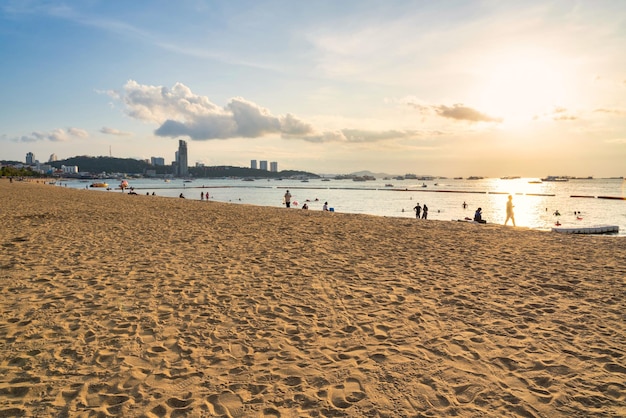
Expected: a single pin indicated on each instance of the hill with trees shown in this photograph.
(130, 166)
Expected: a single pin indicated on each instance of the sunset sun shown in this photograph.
(520, 85)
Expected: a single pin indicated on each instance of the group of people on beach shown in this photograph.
(421, 209)
(510, 215)
(287, 202)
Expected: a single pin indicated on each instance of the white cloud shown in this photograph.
(113, 131)
(56, 135)
(457, 111)
(180, 112)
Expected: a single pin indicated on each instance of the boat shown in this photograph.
(600, 229)
(388, 185)
(99, 184)
(555, 178)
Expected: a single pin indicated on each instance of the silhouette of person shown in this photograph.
(509, 211)
(425, 212)
(478, 216)
(287, 199)
(418, 211)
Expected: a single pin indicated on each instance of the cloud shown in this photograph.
(56, 135)
(557, 114)
(180, 112)
(460, 112)
(610, 111)
(457, 111)
(112, 131)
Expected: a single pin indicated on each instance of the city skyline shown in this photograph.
(451, 88)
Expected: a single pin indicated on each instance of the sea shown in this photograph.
(540, 205)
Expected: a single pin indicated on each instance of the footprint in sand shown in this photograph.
(343, 396)
(227, 403)
(467, 393)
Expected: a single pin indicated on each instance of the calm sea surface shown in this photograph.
(535, 204)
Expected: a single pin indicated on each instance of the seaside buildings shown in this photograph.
(157, 160)
(263, 165)
(30, 158)
(181, 167)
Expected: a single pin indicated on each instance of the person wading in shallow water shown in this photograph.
(418, 211)
(287, 199)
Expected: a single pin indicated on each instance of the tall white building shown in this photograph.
(70, 169)
(30, 158)
(263, 165)
(182, 167)
(274, 167)
(253, 164)
(53, 158)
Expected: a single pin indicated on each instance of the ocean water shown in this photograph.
(535, 204)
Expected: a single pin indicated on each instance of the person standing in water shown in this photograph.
(418, 211)
(287, 199)
(425, 211)
(509, 211)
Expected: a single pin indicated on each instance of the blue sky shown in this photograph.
(452, 88)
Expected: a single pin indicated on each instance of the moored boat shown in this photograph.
(99, 184)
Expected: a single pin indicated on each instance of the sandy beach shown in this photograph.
(144, 306)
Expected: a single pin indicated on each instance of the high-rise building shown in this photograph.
(182, 167)
(253, 164)
(263, 165)
(157, 160)
(30, 158)
(274, 167)
(53, 158)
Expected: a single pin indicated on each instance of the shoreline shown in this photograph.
(155, 306)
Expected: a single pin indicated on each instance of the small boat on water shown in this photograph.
(555, 178)
(600, 229)
(99, 184)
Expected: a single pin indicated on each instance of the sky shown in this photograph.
(447, 88)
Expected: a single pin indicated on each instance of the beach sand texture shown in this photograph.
(120, 305)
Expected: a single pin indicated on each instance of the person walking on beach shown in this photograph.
(509, 211)
(425, 212)
(287, 199)
(418, 211)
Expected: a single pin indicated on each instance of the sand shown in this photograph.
(120, 305)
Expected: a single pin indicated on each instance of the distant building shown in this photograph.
(157, 160)
(263, 165)
(274, 167)
(30, 158)
(69, 169)
(53, 158)
(182, 167)
(253, 164)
